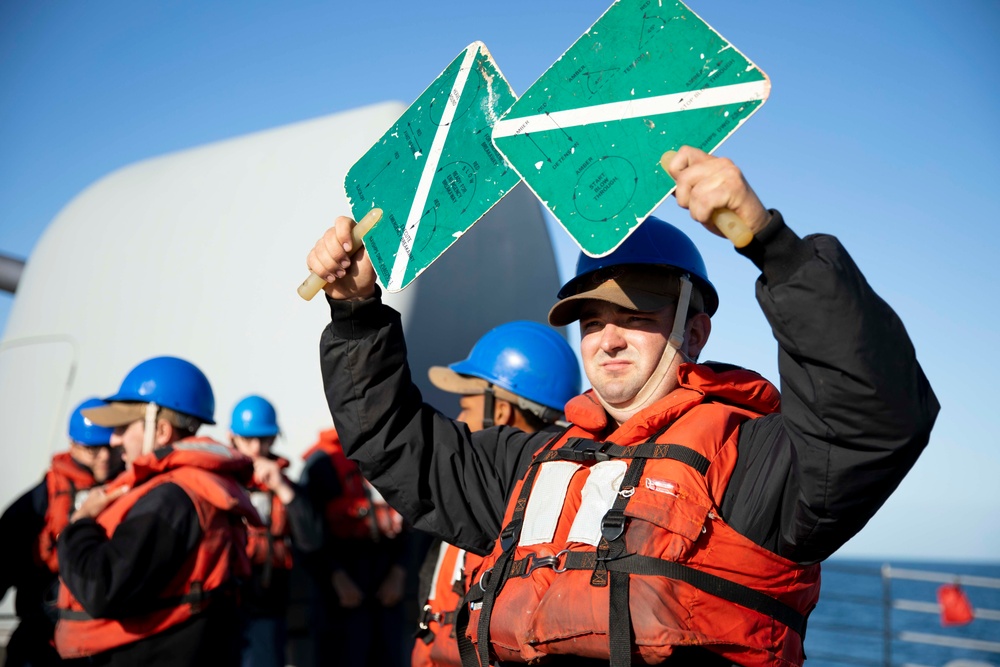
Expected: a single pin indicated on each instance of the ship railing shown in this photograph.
(888, 603)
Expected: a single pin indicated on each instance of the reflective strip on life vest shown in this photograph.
(442, 550)
(597, 497)
(546, 502)
(458, 572)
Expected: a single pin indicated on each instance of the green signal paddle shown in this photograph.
(435, 172)
(648, 77)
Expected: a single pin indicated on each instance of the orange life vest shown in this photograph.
(354, 514)
(213, 476)
(436, 643)
(63, 481)
(271, 542)
(615, 548)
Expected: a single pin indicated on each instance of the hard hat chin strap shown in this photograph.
(525, 405)
(149, 431)
(489, 406)
(676, 339)
(543, 412)
(650, 391)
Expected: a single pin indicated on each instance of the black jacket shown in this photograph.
(365, 561)
(856, 412)
(21, 524)
(117, 577)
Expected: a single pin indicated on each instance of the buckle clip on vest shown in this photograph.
(612, 525)
(535, 561)
(507, 538)
(427, 615)
(582, 450)
(197, 598)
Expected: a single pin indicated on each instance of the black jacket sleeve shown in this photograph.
(304, 522)
(443, 479)
(122, 576)
(320, 485)
(20, 525)
(856, 408)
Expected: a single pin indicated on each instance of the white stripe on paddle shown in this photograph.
(427, 177)
(648, 106)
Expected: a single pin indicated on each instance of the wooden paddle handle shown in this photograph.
(725, 220)
(730, 224)
(311, 286)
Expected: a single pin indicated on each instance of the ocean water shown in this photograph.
(849, 625)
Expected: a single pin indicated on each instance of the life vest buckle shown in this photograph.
(535, 562)
(196, 598)
(484, 579)
(613, 525)
(426, 616)
(582, 450)
(507, 538)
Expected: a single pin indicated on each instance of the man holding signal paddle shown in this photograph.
(682, 517)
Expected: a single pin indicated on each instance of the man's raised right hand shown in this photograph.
(349, 275)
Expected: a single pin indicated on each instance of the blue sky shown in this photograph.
(882, 128)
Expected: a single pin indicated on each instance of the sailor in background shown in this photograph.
(31, 526)
(149, 564)
(361, 571)
(288, 519)
(519, 374)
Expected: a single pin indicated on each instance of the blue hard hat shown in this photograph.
(528, 359)
(85, 432)
(254, 417)
(172, 383)
(654, 244)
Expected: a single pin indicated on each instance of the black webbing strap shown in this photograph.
(619, 621)
(709, 583)
(197, 598)
(612, 546)
(426, 617)
(466, 651)
(489, 406)
(265, 578)
(492, 582)
(582, 450)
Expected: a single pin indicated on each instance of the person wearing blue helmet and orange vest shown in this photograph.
(360, 573)
(682, 518)
(287, 518)
(519, 374)
(149, 564)
(32, 525)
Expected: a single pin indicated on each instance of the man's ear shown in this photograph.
(503, 413)
(165, 433)
(699, 328)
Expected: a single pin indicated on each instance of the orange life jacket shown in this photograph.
(615, 548)
(436, 644)
(271, 542)
(63, 481)
(213, 476)
(354, 514)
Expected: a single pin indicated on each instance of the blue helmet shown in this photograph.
(172, 383)
(85, 432)
(254, 417)
(655, 244)
(528, 359)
